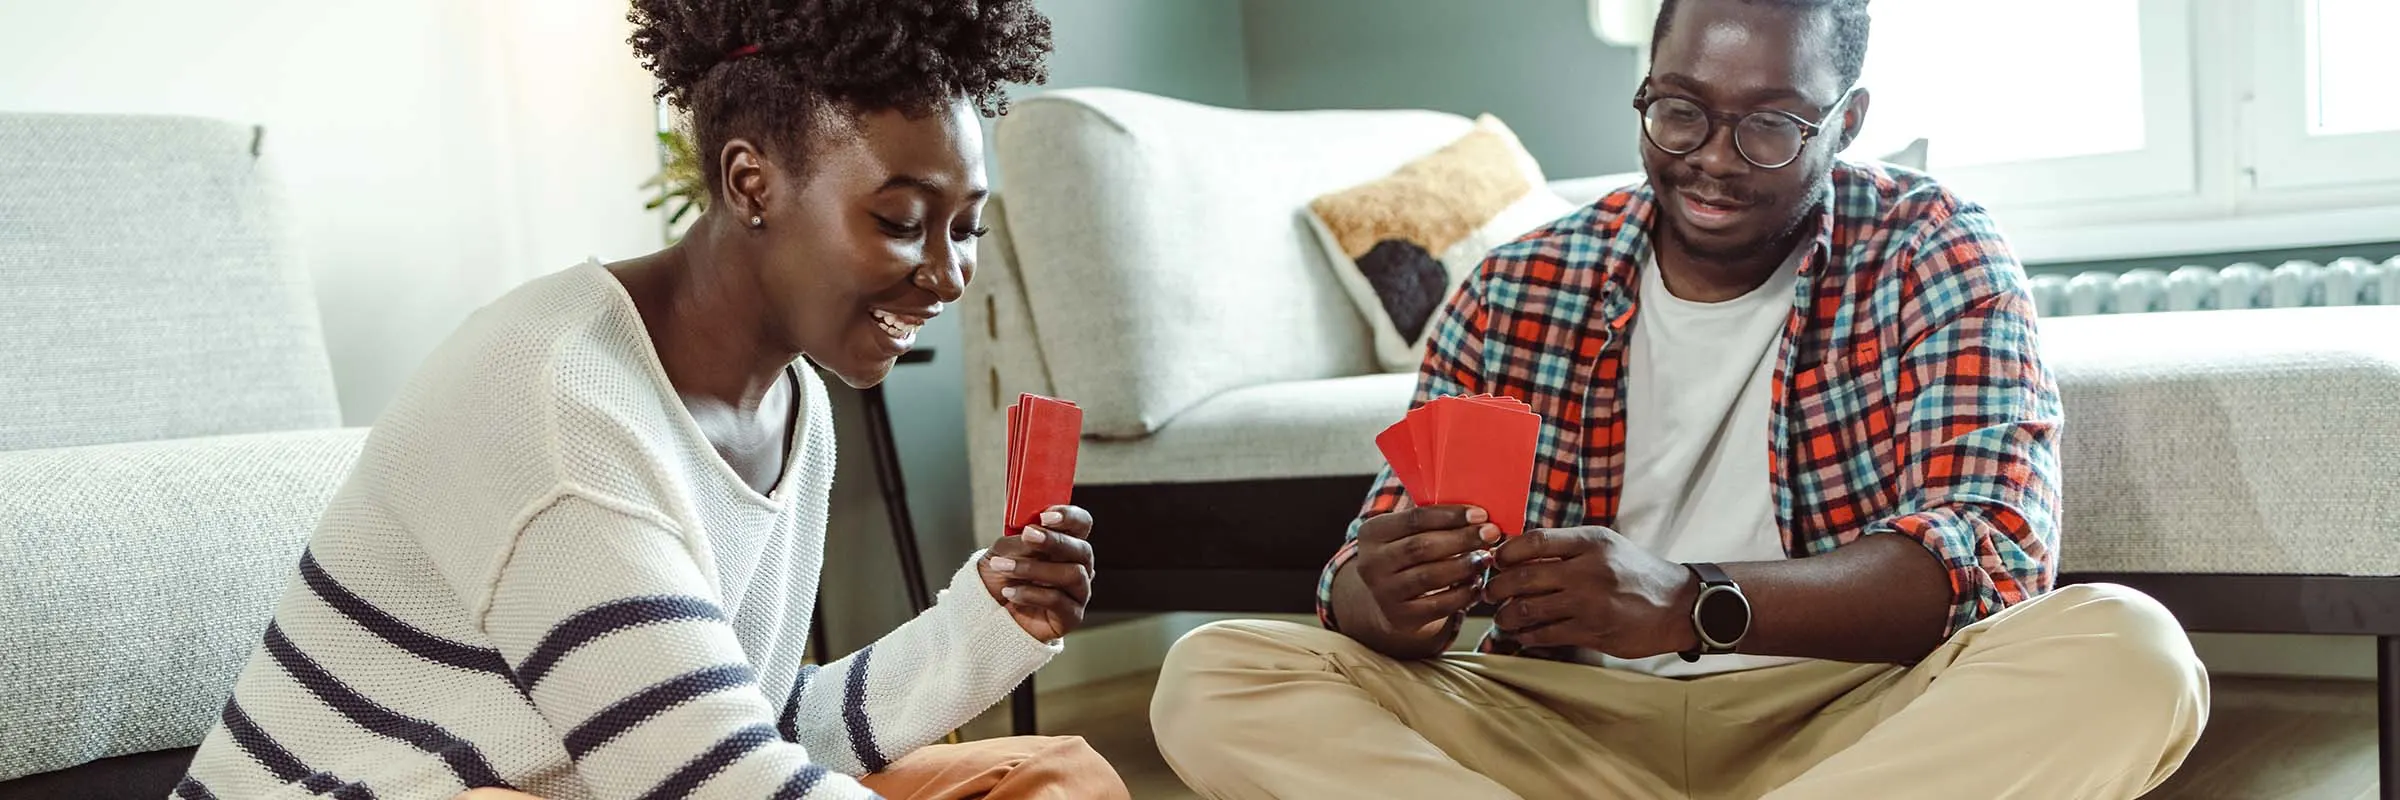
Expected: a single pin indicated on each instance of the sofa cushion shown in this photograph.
(1402, 243)
(1299, 429)
(1162, 251)
(152, 290)
(159, 564)
(2254, 442)
(2240, 442)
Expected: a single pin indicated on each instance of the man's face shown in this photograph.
(1733, 58)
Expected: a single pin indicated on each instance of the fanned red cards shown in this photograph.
(1475, 450)
(1042, 435)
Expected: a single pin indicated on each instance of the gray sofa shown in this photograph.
(1149, 262)
(168, 438)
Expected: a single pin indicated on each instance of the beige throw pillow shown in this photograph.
(1402, 243)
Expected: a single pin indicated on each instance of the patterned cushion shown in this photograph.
(1402, 243)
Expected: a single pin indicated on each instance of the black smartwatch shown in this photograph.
(1721, 616)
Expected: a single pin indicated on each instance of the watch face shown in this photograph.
(1724, 615)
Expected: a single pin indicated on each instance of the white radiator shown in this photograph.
(2345, 282)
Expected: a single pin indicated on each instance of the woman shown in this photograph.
(578, 555)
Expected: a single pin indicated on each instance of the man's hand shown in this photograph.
(1415, 573)
(1588, 587)
(1043, 576)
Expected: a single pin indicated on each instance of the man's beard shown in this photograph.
(1774, 244)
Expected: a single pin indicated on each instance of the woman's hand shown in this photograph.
(1043, 576)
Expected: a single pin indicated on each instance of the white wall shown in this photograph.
(438, 152)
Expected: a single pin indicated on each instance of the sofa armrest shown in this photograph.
(139, 577)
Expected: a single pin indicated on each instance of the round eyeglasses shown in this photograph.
(1767, 138)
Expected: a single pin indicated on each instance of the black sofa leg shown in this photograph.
(2387, 712)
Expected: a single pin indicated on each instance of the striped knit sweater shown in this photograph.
(541, 576)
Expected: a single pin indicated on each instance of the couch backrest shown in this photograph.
(148, 287)
(1161, 248)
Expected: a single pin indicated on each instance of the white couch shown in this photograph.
(168, 438)
(1149, 261)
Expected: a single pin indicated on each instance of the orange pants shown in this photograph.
(1042, 767)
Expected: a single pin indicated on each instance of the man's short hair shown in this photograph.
(1849, 18)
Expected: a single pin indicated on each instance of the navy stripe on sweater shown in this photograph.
(280, 762)
(801, 783)
(789, 726)
(602, 620)
(466, 762)
(192, 789)
(708, 764)
(390, 629)
(854, 714)
(623, 715)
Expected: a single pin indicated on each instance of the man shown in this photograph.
(1795, 511)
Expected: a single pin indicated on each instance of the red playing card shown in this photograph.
(1399, 446)
(1487, 452)
(1050, 429)
(1424, 423)
(1016, 454)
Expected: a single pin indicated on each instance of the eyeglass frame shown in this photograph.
(1642, 99)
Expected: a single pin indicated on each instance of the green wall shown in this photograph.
(1532, 63)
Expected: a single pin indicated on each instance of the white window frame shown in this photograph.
(2283, 154)
(2162, 168)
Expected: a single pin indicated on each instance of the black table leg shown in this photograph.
(895, 499)
(2387, 708)
(1020, 709)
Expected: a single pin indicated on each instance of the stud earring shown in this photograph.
(757, 221)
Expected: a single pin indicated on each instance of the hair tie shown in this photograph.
(742, 52)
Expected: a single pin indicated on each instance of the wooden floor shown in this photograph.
(2280, 739)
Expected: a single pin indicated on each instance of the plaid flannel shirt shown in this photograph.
(1910, 399)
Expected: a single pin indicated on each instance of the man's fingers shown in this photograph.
(1526, 579)
(1532, 612)
(1401, 524)
(1547, 634)
(1439, 605)
(1070, 578)
(1422, 578)
(1540, 543)
(1069, 520)
(1433, 546)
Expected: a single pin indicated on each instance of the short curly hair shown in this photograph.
(768, 70)
(1851, 26)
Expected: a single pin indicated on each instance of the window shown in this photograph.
(2038, 103)
(2350, 69)
(2327, 114)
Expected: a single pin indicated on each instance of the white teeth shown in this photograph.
(893, 326)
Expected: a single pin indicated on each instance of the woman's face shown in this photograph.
(873, 236)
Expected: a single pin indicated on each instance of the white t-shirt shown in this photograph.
(1697, 394)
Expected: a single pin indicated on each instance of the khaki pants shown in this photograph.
(2090, 691)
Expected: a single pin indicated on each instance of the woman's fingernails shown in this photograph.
(1036, 535)
(1010, 593)
(1004, 564)
(1053, 518)
(1477, 516)
(1491, 534)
